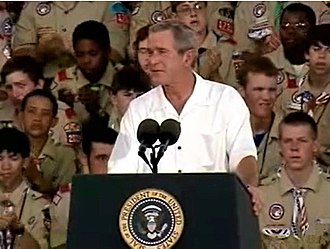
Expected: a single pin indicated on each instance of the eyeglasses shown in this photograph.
(298, 25)
(186, 10)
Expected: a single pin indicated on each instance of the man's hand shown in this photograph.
(271, 43)
(255, 198)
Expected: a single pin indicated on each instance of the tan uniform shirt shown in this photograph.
(71, 80)
(39, 21)
(30, 203)
(290, 101)
(276, 217)
(57, 163)
(59, 210)
(269, 159)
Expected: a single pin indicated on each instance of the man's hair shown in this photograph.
(141, 35)
(92, 30)
(184, 37)
(299, 118)
(130, 78)
(260, 64)
(318, 34)
(14, 141)
(175, 4)
(299, 7)
(97, 132)
(41, 93)
(25, 64)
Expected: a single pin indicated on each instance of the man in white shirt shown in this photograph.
(215, 131)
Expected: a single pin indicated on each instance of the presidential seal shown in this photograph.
(151, 218)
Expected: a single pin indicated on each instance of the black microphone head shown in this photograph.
(169, 131)
(147, 132)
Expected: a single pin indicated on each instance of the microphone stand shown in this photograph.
(155, 160)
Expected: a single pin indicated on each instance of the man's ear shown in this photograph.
(84, 163)
(189, 57)
(241, 90)
(306, 56)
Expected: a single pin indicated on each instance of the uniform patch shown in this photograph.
(62, 75)
(136, 10)
(122, 18)
(226, 27)
(31, 220)
(259, 10)
(280, 77)
(56, 199)
(158, 16)
(276, 211)
(278, 232)
(227, 13)
(7, 27)
(43, 9)
(73, 133)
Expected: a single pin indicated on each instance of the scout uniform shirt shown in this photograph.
(28, 207)
(280, 218)
(6, 33)
(71, 80)
(40, 21)
(269, 159)
(59, 211)
(56, 162)
(317, 105)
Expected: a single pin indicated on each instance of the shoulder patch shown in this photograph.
(62, 75)
(70, 113)
(65, 188)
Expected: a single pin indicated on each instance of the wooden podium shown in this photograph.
(184, 211)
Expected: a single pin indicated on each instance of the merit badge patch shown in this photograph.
(259, 10)
(43, 9)
(276, 211)
(280, 77)
(151, 218)
(158, 16)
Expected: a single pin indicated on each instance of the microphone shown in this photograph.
(169, 133)
(147, 135)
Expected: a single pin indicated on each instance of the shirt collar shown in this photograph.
(49, 150)
(313, 182)
(200, 96)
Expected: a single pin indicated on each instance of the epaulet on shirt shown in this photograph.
(269, 180)
(64, 188)
(61, 75)
(37, 195)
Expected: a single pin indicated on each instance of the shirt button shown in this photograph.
(179, 147)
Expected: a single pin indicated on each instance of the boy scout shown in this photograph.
(24, 205)
(312, 95)
(52, 164)
(45, 29)
(21, 75)
(296, 200)
(124, 90)
(93, 73)
(258, 81)
(194, 15)
(98, 142)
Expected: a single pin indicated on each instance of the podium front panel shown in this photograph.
(216, 212)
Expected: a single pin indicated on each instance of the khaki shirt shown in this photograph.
(59, 211)
(57, 163)
(278, 210)
(30, 203)
(289, 102)
(39, 21)
(269, 159)
(71, 80)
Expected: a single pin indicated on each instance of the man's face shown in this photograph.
(98, 158)
(10, 168)
(166, 64)
(121, 100)
(37, 117)
(143, 57)
(294, 29)
(260, 94)
(297, 145)
(18, 85)
(193, 14)
(319, 59)
(91, 59)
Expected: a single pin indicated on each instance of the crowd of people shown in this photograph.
(249, 83)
